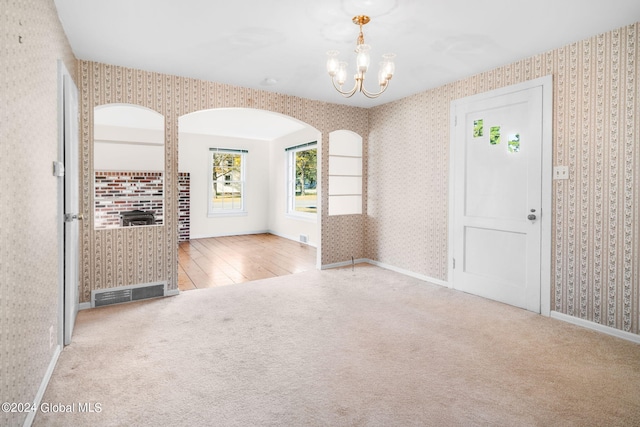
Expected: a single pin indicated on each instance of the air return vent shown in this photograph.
(102, 297)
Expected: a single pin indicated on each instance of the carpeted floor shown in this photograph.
(368, 347)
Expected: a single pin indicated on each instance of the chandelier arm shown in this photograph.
(374, 95)
(347, 94)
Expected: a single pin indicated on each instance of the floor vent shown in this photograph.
(103, 297)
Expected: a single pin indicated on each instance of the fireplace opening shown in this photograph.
(137, 217)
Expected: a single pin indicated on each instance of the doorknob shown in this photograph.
(531, 217)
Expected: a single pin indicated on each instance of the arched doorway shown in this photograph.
(237, 162)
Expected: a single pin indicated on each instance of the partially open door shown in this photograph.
(71, 202)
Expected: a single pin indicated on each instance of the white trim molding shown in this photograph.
(596, 327)
(409, 273)
(343, 263)
(386, 267)
(31, 415)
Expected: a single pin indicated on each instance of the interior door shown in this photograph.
(71, 204)
(497, 203)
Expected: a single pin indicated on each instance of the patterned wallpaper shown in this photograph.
(596, 214)
(31, 41)
(126, 256)
(596, 240)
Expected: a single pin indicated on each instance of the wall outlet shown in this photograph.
(50, 337)
(561, 172)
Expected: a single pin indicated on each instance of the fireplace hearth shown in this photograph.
(137, 217)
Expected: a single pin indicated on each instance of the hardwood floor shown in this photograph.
(216, 261)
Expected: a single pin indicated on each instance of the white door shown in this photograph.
(497, 196)
(71, 204)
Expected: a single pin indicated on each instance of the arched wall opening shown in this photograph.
(254, 143)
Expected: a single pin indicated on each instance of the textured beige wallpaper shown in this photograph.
(596, 243)
(596, 214)
(31, 41)
(118, 257)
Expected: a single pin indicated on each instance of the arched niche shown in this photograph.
(129, 166)
(345, 173)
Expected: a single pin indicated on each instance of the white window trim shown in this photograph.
(211, 212)
(290, 167)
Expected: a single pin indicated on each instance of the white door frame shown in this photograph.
(547, 173)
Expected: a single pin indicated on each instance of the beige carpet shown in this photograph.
(339, 348)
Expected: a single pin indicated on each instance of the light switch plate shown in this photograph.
(561, 172)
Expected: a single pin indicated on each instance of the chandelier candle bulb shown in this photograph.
(341, 77)
(338, 69)
(382, 76)
(389, 66)
(332, 62)
(363, 59)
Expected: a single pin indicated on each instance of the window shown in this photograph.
(226, 181)
(302, 172)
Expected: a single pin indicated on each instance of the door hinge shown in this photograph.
(454, 263)
(72, 217)
(58, 168)
(455, 121)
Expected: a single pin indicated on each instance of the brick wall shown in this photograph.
(184, 206)
(117, 192)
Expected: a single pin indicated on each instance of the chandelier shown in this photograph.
(338, 69)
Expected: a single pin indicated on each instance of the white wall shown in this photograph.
(193, 157)
(110, 156)
(265, 191)
(128, 138)
(279, 222)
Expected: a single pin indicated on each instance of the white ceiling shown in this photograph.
(249, 42)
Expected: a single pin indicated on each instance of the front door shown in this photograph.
(497, 200)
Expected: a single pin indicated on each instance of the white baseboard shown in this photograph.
(43, 386)
(290, 237)
(596, 327)
(409, 273)
(245, 233)
(84, 306)
(240, 233)
(387, 267)
(343, 264)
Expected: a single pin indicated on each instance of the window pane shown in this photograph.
(306, 195)
(227, 181)
(235, 195)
